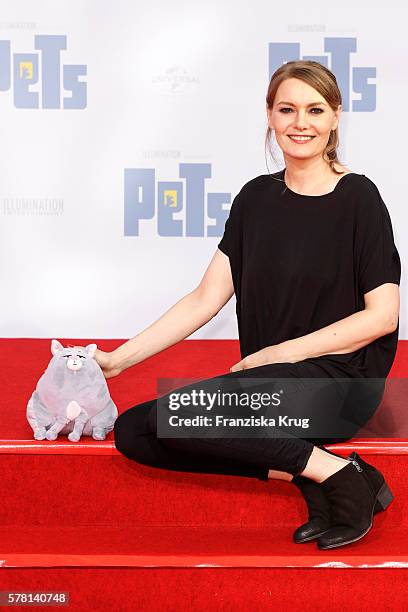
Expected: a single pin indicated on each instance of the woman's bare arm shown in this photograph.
(186, 316)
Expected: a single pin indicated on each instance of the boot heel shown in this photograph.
(384, 498)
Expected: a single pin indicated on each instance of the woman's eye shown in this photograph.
(315, 108)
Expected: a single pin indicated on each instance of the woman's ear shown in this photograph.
(269, 117)
(337, 114)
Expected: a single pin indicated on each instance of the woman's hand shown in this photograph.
(107, 363)
(277, 353)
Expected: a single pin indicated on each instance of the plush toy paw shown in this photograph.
(51, 435)
(98, 434)
(73, 436)
(39, 433)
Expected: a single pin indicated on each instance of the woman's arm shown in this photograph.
(379, 317)
(186, 316)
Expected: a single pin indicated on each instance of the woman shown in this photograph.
(310, 255)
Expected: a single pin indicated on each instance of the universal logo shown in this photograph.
(175, 80)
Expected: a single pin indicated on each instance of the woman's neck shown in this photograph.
(311, 178)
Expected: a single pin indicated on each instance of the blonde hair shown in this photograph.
(320, 78)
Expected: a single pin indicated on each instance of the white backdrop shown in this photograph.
(166, 83)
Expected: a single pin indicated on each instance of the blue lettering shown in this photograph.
(25, 68)
(139, 202)
(51, 47)
(78, 88)
(170, 201)
(5, 72)
(217, 212)
(25, 74)
(340, 50)
(139, 198)
(195, 175)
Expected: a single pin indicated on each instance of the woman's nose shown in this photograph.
(301, 120)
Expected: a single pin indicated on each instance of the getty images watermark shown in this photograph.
(246, 407)
(222, 399)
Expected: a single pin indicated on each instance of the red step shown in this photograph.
(189, 547)
(58, 490)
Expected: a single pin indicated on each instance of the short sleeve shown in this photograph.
(378, 261)
(232, 236)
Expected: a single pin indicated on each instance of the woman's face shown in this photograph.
(299, 109)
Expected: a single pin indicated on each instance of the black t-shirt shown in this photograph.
(300, 263)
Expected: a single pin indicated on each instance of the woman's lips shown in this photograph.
(302, 141)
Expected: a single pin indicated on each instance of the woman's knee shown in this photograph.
(128, 429)
(134, 447)
(136, 440)
(122, 434)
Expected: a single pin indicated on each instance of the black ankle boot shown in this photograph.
(353, 492)
(377, 480)
(372, 473)
(318, 510)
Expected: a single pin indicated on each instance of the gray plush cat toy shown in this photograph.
(71, 397)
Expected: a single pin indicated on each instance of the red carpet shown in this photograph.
(190, 359)
(116, 534)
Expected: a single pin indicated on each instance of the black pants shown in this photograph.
(340, 411)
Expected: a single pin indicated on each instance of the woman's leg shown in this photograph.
(283, 457)
(347, 500)
(136, 439)
(307, 391)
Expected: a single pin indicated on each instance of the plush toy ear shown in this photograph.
(91, 349)
(56, 346)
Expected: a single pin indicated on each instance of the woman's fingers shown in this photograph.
(105, 361)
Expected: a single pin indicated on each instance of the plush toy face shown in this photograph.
(75, 357)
